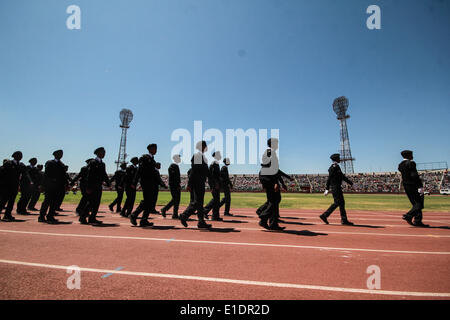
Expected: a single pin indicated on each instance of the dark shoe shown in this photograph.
(119, 210)
(217, 219)
(123, 214)
(154, 211)
(94, 221)
(323, 218)
(276, 227)
(8, 218)
(82, 220)
(175, 217)
(228, 214)
(60, 209)
(23, 213)
(145, 223)
(133, 220)
(111, 208)
(420, 224)
(408, 219)
(163, 213)
(41, 219)
(203, 225)
(51, 220)
(183, 220)
(263, 223)
(33, 209)
(347, 223)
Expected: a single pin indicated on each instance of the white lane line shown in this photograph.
(224, 243)
(234, 281)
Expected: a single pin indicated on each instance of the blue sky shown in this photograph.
(231, 64)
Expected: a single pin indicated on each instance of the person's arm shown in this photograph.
(415, 175)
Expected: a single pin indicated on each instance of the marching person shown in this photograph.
(334, 182)
(161, 184)
(12, 172)
(55, 181)
(174, 186)
(62, 195)
(96, 176)
(269, 177)
(226, 185)
(148, 176)
(130, 173)
(414, 189)
(196, 183)
(27, 187)
(82, 176)
(37, 181)
(119, 178)
(214, 185)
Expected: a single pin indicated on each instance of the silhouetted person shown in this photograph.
(197, 178)
(63, 195)
(149, 178)
(214, 185)
(119, 178)
(96, 176)
(11, 172)
(414, 189)
(174, 186)
(55, 182)
(334, 183)
(38, 180)
(82, 177)
(27, 187)
(161, 184)
(269, 177)
(130, 191)
(226, 185)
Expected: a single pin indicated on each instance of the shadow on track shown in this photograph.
(60, 222)
(240, 216)
(297, 223)
(106, 225)
(15, 220)
(220, 230)
(293, 218)
(305, 233)
(233, 221)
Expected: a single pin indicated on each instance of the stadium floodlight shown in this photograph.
(340, 106)
(126, 116)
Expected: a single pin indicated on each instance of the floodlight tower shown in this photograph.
(340, 106)
(126, 116)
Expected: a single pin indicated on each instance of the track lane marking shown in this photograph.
(226, 243)
(234, 281)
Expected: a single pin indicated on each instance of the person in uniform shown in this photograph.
(96, 176)
(414, 189)
(334, 182)
(38, 180)
(148, 176)
(12, 172)
(55, 182)
(269, 177)
(214, 185)
(82, 177)
(174, 186)
(63, 195)
(27, 187)
(197, 178)
(119, 178)
(161, 184)
(130, 173)
(226, 185)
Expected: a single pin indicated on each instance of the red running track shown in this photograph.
(235, 260)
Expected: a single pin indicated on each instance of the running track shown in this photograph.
(235, 260)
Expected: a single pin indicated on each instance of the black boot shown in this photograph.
(323, 218)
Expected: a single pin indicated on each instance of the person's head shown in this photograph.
(58, 154)
(152, 148)
(407, 154)
(40, 167)
(226, 161)
(272, 143)
(336, 157)
(100, 152)
(17, 156)
(176, 158)
(134, 161)
(202, 146)
(158, 165)
(217, 155)
(33, 161)
(123, 166)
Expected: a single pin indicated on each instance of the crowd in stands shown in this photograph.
(386, 182)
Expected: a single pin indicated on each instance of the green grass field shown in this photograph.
(374, 202)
